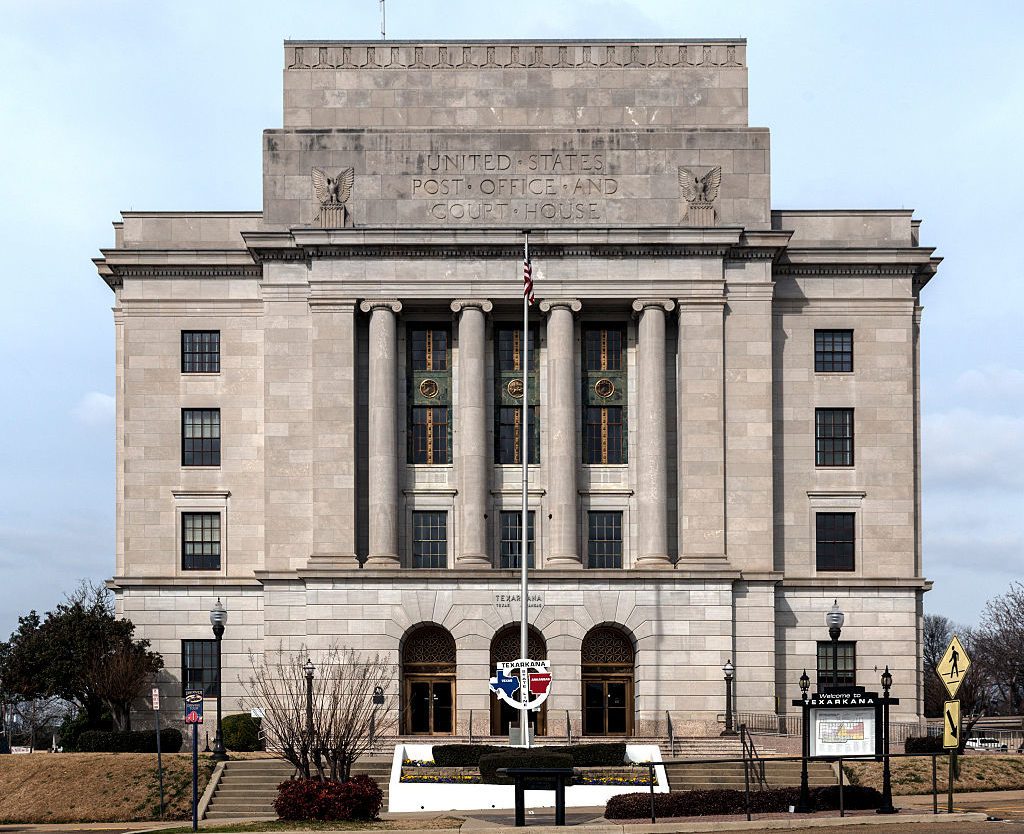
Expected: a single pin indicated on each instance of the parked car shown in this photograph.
(985, 743)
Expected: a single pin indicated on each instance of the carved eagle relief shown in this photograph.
(333, 191)
(703, 190)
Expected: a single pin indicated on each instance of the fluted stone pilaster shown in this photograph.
(652, 445)
(562, 459)
(383, 503)
(471, 448)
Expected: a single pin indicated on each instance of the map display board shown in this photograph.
(843, 732)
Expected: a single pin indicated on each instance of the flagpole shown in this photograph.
(524, 455)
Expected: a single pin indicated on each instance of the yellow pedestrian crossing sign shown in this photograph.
(951, 725)
(953, 666)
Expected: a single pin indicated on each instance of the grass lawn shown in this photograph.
(380, 825)
(978, 772)
(96, 787)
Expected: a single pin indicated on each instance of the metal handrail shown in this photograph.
(568, 726)
(750, 753)
(671, 735)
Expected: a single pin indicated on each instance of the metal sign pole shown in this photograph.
(524, 455)
(159, 761)
(195, 777)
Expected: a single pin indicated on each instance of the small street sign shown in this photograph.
(953, 666)
(193, 706)
(156, 699)
(951, 725)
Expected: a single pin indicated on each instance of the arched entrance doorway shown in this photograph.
(428, 681)
(505, 648)
(607, 659)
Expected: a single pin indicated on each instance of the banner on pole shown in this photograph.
(193, 706)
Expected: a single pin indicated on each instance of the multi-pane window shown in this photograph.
(200, 437)
(512, 539)
(430, 539)
(604, 540)
(199, 666)
(833, 351)
(429, 376)
(200, 541)
(508, 381)
(833, 436)
(200, 351)
(604, 395)
(834, 541)
(845, 661)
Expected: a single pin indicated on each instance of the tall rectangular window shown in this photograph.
(604, 395)
(200, 351)
(200, 541)
(430, 539)
(833, 436)
(846, 662)
(833, 351)
(834, 541)
(428, 370)
(508, 395)
(200, 437)
(199, 666)
(512, 539)
(604, 540)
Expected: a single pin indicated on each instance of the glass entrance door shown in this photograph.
(431, 705)
(607, 707)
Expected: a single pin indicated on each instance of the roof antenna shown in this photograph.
(382, 20)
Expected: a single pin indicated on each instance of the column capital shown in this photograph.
(641, 304)
(549, 304)
(482, 304)
(393, 304)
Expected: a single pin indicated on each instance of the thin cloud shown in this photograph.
(95, 409)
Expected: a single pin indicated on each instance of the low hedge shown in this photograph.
(724, 802)
(582, 755)
(137, 741)
(518, 757)
(359, 798)
(241, 733)
(926, 745)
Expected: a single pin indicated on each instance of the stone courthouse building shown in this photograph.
(319, 404)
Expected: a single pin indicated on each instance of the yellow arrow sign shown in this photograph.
(953, 666)
(951, 725)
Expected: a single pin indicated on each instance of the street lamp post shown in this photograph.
(309, 669)
(834, 619)
(219, 619)
(886, 807)
(728, 670)
(804, 803)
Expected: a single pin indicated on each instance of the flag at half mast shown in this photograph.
(528, 280)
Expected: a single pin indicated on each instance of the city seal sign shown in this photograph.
(508, 687)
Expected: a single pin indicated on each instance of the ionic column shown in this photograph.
(471, 449)
(652, 446)
(562, 458)
(383, 503)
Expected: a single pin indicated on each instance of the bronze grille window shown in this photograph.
(430, 539)
(200, 541)
(199, 666)
(833, 351)
(200, 351)
(604, 395)
(508, 395)
(604, 540)
(833, 436)
(834, 541)
(200, 437)
(510, 435)
(603, 349)
(429, 349)
(429, 436)
(605, 435)
(846, 662)
(512, 539)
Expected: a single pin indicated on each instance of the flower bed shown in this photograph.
(425, 772)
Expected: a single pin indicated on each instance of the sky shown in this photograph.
(111, 106)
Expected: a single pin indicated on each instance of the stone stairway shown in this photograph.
(248, 787)
(684, 776)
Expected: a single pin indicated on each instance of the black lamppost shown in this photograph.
(886, 807)
(804, 803)
(728, 671)
(309, 669)
(218, 618)
(834, 619)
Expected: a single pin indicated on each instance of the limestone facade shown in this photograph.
(457, 148)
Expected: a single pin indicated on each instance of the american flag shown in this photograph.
(528, 281)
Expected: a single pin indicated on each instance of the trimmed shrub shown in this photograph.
(610, 754)
(926, 745)
(314, 799)
(137, 741)
(518, 757)
(725, 802)
(241, 733)
(463, 755)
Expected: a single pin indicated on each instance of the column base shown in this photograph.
(383, 561)
(653, 562)
(563, 562)
(703, 561)
(474, 560)
(345, 561)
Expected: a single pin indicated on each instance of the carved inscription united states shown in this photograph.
(502, 187)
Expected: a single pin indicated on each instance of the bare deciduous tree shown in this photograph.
(120, 678)
(343, 722)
